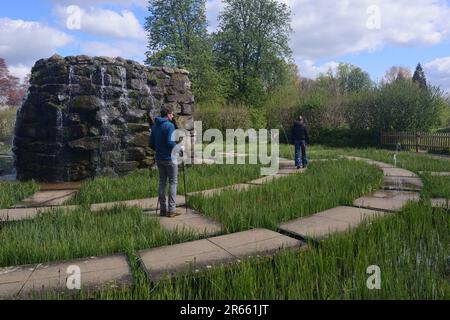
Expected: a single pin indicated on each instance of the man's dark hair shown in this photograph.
(166, 110)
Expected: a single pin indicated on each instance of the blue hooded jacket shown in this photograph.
(162, 139)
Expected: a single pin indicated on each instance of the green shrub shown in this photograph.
(398, 106)
(229, 116)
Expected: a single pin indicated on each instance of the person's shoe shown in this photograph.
(163, 213)
(173, 214)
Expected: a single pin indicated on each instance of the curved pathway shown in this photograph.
(228, 249)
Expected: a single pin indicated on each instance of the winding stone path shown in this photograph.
(441, 203)
(403, 183)
(286, 168)
(19, 214)
(381, 203)
(47, 198)
(144, 204)
(95, 274)
(436, 174)
(190, 222)
(387, 200)
(204, 254)
(321, 225)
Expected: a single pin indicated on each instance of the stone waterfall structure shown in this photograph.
(89, 116)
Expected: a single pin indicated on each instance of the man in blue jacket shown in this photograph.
(163, 142)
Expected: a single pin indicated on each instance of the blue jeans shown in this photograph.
(168, 170)
(300, 154)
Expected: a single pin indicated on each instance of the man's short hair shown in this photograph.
(166, 110)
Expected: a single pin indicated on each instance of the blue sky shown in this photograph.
(373, 34)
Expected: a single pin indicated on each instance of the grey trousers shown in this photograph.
(168, 170)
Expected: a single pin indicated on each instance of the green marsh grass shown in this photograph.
(60, 236)
(144, 183)
(407, 160)
(411, 248)
(436, 187)
(325, 185)
(13, 192)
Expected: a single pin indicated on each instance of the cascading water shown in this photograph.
(104, 123)
(124, 103)
(86, 116)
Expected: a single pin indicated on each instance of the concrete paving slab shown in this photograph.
(397, 172)
(267, 179)
(181, 258)
(290, 171)
(190, 222)
(95, 273)
(316, 227)
(60, 186)
(372, 162)
(380, 164)
(286, 164)
(47, 198)
(381, 203)
(406, 183)
(257, 242)
(145, 204)
(397, 195)
(437, 174)
(441, 203)
(215, 192)
(351, 215)
(12, 280)
(29, 213)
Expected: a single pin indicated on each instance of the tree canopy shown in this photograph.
(11, 90)
(252, 44)
(419, 77)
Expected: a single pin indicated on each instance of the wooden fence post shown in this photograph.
(417, 142)
(381, 138)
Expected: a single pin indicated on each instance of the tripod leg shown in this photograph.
(185, 188)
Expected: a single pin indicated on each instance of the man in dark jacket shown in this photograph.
(300, 137)
(163, 142)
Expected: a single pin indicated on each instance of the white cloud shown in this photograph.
(438, 72)
(20, 71)
(329, 29)
(125, 49)
(106, 23)
(310, 69)
(124, 3)
(325, 29)
(24, 42)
